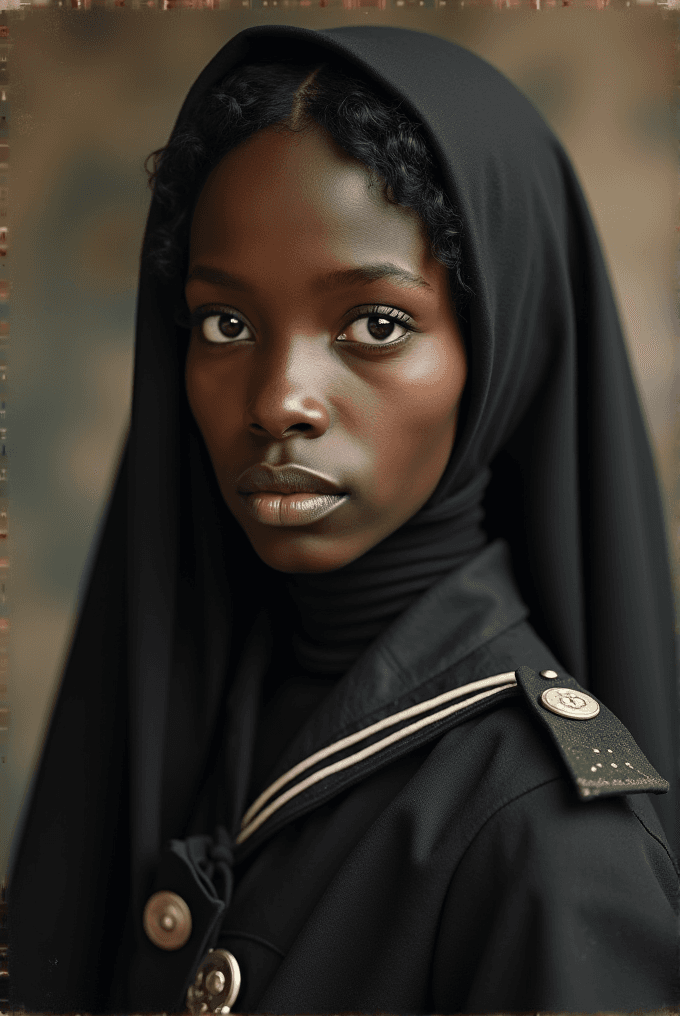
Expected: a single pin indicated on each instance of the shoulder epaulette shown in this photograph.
(599, 752)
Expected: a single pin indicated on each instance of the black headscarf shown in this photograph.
(551, 410)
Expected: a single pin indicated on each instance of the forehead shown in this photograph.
(300, 195)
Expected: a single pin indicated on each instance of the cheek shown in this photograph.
(422, 416)
(434, 380)
(198, 394)
(208, 402)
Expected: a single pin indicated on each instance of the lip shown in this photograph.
(286, 479)
(298, 509)
(288, 495)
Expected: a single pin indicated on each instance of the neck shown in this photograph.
(336, 615)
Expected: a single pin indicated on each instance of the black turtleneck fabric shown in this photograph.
(325, 621)
(338, 614)
(155, 697)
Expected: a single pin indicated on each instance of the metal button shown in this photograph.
(167, 920)
(575, 705)
(549, 673)
(217, 984)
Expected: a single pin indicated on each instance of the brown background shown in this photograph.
(93, 92)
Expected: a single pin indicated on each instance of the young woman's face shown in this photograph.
(324, 338)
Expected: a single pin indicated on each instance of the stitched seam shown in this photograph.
(506, 804)
(473, 837)
(675, 869)
(660, 842)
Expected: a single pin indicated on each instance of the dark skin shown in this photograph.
(291, 364)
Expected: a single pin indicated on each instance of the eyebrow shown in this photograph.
(371, 273)
(343, 277)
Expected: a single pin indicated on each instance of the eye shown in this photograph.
(220, 327)
(384, 326)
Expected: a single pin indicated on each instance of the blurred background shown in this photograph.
(93, 92)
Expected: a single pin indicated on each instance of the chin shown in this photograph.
(299, 553)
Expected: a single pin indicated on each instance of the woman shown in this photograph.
(386, 510)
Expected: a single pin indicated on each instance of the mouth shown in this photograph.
(288, 495)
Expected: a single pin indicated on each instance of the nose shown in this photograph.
(286, 392)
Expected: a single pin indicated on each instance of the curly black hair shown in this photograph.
(297, 97)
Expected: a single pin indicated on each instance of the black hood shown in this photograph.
(551, 411)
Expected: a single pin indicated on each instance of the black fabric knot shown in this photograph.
(221, 847)
(216, 861)
(220, 852)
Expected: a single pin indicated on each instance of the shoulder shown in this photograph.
(582, 739)
(572, 906)
(535, 740)
(599, 753)
(571, 900)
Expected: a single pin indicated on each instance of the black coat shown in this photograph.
(501, 857)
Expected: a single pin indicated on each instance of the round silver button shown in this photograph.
(549, 673)
(217, 984)
(167, 920)
(575, 705)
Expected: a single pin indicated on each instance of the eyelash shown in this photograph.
(197, 317)
(392, 314)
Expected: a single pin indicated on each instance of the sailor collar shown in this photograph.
(407, 689)
(450, 620)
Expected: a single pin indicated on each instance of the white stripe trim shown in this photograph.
(252, 821)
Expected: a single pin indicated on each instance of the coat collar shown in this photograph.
(403, 679)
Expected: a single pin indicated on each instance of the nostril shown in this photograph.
(298, 428)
